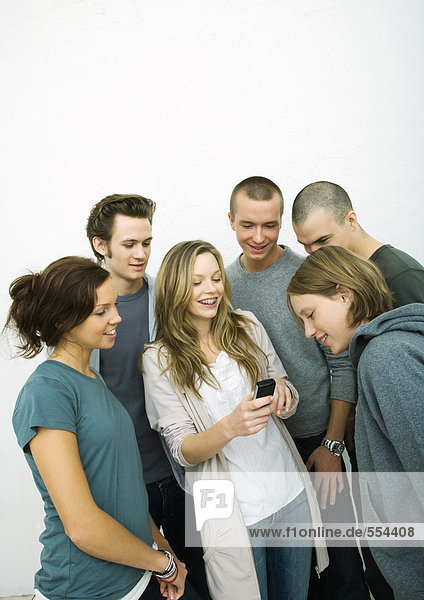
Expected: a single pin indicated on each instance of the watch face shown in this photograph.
(334, 446)
(338, 448)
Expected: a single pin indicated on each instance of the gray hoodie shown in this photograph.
(388, 354)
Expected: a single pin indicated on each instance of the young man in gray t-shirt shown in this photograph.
(326, 384)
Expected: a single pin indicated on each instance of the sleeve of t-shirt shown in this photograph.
(342, 375)
(44, 402)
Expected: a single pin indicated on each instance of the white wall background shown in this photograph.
(179, 101)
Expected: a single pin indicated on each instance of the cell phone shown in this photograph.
(263, 388)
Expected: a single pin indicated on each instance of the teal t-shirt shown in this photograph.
(58, 397)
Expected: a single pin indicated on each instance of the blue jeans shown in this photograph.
(167, 505)
(344, 578)
(283, 570)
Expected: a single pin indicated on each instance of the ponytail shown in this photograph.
(23, 314)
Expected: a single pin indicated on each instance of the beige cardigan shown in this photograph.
(176, 415)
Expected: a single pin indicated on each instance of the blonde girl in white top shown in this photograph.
(211, 354)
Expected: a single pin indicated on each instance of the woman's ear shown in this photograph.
(345, 293)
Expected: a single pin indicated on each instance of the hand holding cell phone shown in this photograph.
(253, 412)
(265, 387)
(278, 389)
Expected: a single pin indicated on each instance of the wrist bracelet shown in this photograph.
(174, 578)
(170, 568)
(167, 577)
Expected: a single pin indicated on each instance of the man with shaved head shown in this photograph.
(323, 215)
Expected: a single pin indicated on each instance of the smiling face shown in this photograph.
(127, 253)
(207, 290)
(257, 224)
(325, 318)
(321, 229)
(99, 328)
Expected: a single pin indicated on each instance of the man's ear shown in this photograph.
(99, 246)
(351, 220)
(232, 223)
(345, 293)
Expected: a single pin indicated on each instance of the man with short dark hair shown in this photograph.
(259, 279)
(323, 215)
(119, 229)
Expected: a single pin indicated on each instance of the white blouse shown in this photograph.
(262, 466)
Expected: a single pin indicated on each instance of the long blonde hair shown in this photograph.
(331, 266)
(178, 337)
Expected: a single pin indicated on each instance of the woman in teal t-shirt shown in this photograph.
(81, 447)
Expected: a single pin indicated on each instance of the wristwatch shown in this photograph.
(336, 448)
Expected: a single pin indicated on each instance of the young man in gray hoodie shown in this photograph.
(340, 297)
(323, 215)
(388, 354)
